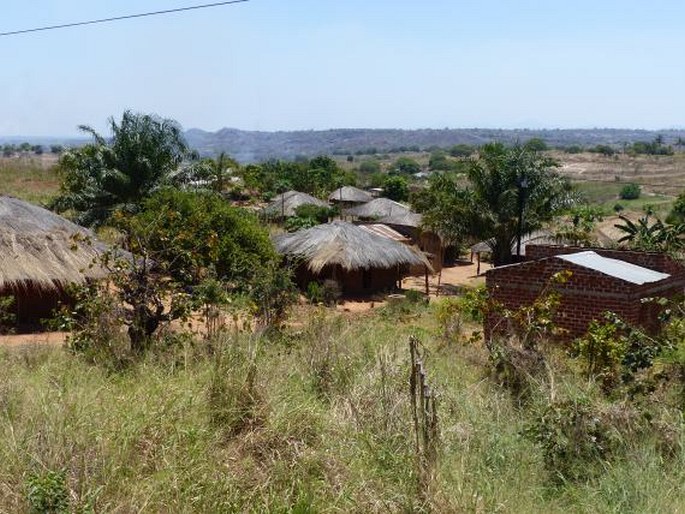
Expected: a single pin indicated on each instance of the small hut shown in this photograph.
(42, 254)
(285, 204)
(359, 260)
(347, 197)
(378, 209)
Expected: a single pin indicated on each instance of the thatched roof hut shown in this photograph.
(358, 259)
(287, 203)
(378, 209)
(42, 253)
(350, 196)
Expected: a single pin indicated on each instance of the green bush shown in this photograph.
(630, 192)
(47, 493)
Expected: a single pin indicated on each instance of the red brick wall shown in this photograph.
(586, 296)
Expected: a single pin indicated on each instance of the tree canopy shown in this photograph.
(502, 183)
(144, 152)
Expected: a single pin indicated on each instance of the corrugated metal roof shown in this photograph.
(384, 231)
(614, 268)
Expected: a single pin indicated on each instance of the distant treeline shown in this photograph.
(253, 146)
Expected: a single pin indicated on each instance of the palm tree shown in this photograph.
(107, 175)
(655, 237)
(515, 191)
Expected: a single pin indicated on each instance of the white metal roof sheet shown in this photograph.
(614, 268)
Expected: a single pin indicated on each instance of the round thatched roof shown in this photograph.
(387, 211)
(350, 194)
(346, 245)
(286, 203)
(379, 208)
(41, 249)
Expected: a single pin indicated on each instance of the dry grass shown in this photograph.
(317, 419)
(31, 179)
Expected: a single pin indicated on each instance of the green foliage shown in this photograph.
(604, 150)
(8, 318)
(576, 439)
(677, 214)
(396, 188)
(488, 207)
(602, 351)
(573, 149)
(536, 145)
(654, 237)
(462, 150)
(317, 176)
(193, 232)
(630, 192)
(327, 293)
(47, 493)
(655, 147)
(309, 215)
(405, 166)
(272, 293)
(370, 166)
(144, 153)
(578, 228)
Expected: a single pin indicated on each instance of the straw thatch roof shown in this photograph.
(379, 208)
(286, 203)
(407, 219)
(539, 237)
(43, 250)
(349, 194)
(346, 245)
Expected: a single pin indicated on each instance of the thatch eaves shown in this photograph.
(349, 194)
(286, 203)
(42, 249)
(346, 245)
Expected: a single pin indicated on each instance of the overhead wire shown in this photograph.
(119, 18)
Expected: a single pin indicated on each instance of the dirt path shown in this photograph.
(453, 280)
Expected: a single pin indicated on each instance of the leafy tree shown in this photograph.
(25, 147)
(462, 150)
(630, 192)
(445, 204)
(405, 166)
(307, 216)
(503, 183)
(536, 144)
(439, 161)
(677, 214)
(370, 166)
(216, 173)
(198, 232)
(396, 188)
(56, 149)
(143, 154)
(605, 150)
(37, 149)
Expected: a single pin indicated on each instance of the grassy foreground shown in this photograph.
(314, 420)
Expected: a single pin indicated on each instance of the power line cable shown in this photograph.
(119, 18)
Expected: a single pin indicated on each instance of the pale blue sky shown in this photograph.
(316, 64)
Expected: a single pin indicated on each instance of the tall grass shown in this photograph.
(316, 419)
(32, 179)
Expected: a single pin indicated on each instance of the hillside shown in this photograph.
(252, 146)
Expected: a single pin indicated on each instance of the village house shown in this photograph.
(359, 260)
(42, 255)
(601, 280)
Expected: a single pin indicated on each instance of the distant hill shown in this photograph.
(253, 146)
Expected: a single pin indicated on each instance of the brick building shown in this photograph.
(601, 280)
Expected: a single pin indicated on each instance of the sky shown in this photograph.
(319, 64)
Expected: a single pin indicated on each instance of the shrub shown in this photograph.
(630, 192)
(7, 316)
(576, 438)
(47, 493)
